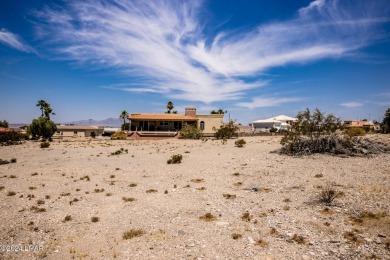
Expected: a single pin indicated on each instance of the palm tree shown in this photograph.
(42, 104)
(220, 111)
(124, 115)
(45, 108)
(170, 106)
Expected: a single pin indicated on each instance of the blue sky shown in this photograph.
(256, 59)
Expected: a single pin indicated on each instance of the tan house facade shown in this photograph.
(362, 124)
(77, 131)
(174, 122)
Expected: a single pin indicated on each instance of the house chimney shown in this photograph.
(190, 111)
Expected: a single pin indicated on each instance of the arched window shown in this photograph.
(202, 125)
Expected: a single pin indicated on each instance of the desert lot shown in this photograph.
(77, 201)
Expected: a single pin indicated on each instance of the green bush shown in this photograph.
(311, 125)
(42, 127)
(45, 145)
(240, 142)
(190, 132)
(175, 159)
(4, 123)
(355, 131)
(12, 136)
(120, 135)
(226, 131)
(273, 130)
(125, 126)
(93, 134)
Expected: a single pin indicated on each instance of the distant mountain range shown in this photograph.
(113, 122)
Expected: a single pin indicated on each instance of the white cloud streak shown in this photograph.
(163, 43)
(352, 104)
(14, 41)
(258, 102)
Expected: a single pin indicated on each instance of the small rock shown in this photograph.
(250, 239)
(305, 257)
(181, 232)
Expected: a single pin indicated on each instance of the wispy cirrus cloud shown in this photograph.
(14, 41)
(258, 102)
(352, 104)
(163, 42)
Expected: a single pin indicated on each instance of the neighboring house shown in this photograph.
(77, 131)
(244, 129)
(3, 129)
(174, 122)
(281, 122)
(363, 124)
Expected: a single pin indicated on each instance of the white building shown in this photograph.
(281, 122)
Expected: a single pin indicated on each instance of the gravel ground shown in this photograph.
(221, 202)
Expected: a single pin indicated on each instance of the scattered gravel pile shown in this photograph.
(334, 144)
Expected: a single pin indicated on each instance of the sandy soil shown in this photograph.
(261, 205)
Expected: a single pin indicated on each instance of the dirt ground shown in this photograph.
(80, 200)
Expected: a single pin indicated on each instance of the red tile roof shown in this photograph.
(162, 117)
(3, 129)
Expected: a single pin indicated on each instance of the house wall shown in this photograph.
(80, 132)
(210, 121)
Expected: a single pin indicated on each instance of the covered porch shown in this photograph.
(160, 122)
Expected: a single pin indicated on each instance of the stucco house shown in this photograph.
(77, 131)
(281, 122)
(144, 122)
(363, 124)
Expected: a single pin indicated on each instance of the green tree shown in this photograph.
(170, 106)
(190, 132)
(226, 131)
(124, 114)
(219, 111)
(386, 121)
(45, 108)
(312, 125)
(42, 127)
(4, 123)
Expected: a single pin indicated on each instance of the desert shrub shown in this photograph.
(240, 142)
(176, 158)
(355, 131)
(226, 131)
(120, 151)
(94, 219)
(12, 137)
(133, 233)
(42, 127)
(93, 134)
(120, 135)
(3, 161)
(273, 130)
(312, 125)
(190, 132)
(316, 133)
(328, 194)
(45, 145)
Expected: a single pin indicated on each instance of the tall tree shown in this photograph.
(45, 108)
(386, 121)
(124, 115)
(42, 104)
(170, 106)
(43, 126)
(4, 124)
